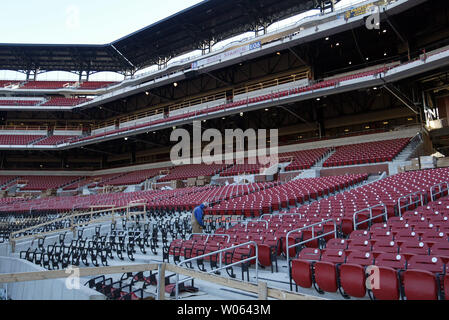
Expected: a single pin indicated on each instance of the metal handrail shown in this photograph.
(419, 201)
(288, 247)
(280, 214)
(255, 257)
(246, 222)
(434, 194)
(370, 209)
(210, 235)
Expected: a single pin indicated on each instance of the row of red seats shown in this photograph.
(200, 245)
(370, 152)
(192, 170)
(411, 255)
(64, 102)
(246, 168)
(134, 177)
(56, 139)
(68, 203)
(387, 191)
(288, 194)
(46, 182)
(17, 102)
(305, 159)
(5, 83)
(45, 85)
(211, 195)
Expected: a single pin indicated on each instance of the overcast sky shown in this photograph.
(83, 21)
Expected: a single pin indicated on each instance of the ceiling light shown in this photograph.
(337, 44)
(147, 93)
(126, 139)
(318, 99)
(346, 130)
(223, 118)
(385, 122)
(385, 54)
(367, 58)
(266, 109)
(375, 88)
(366, 127)
(241, 114)
(350, 62)
(327, 38)
(384, 31)
(278, 53)
(175, 84)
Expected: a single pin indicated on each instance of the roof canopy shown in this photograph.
(187, 30)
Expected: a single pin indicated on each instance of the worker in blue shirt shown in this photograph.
(197, 219)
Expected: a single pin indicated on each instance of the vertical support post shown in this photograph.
(262, 290)
(161, 282)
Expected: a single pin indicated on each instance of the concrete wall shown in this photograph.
(257, 93)
(101, 130)
(67, 132)
(198, 107)
(54, 289)
(141, 121)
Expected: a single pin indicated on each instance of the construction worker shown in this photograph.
(197, 219)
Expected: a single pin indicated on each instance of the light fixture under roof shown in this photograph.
(175, 84)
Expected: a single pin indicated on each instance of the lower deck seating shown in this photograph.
(410, 255)
(282, 196)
